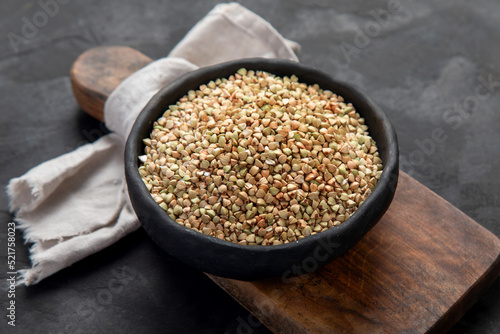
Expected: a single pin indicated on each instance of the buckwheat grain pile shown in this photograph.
(257, 159)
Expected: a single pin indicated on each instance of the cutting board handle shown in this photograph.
(98, 71)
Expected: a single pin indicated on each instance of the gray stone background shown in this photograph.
(432, 66)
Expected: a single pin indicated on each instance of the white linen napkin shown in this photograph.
(77, 204)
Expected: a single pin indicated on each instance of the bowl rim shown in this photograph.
(390, 165)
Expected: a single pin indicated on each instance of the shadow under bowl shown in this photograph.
(230, 260)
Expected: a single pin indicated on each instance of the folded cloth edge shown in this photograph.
(82, 246)
(155, 75)
(27, 192)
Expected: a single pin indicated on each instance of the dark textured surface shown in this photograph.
(424, 65)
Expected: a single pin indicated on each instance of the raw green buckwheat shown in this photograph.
(258, 159)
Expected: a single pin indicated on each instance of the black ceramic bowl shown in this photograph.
(227, 259)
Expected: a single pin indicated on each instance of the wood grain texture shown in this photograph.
(98, 71)
(417, 271)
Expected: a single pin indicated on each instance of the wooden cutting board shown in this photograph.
(417, 271)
